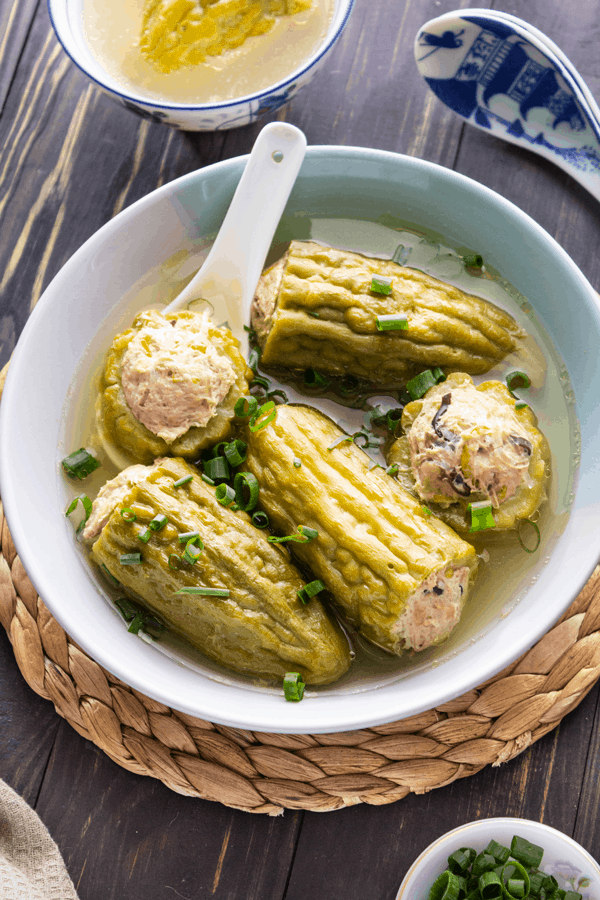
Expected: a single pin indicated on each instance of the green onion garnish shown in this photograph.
(109, 574)
(473, 262)
(259, 382)
(490, 886)
(185, 480)
(392, 470)
(217, 468)
(393, 419)
(445, 887)
(253, 358)
(512, 867)
(297, 462)
(235, 452)
(278, 393)
(246, 407)
(128, 514)
(206, 479)
(305, 534)
(204, 592)
(381, 284)
(498, 851)
(293, 686)
(145, 535)
(521, 404)
(426, 510)
(520, 524)
(481, 516)
(418, 386)
(438, 374)
(349, 384)
(340, 440)
(309, 590)
(260, 519)
(263, 417)
(87, 510)
(159, 521)
(174, 561)
(130, 559)
(517, 379)
(186, 536)
(315, 380)
(225, 494)
(140, 618)
(193, 549)
(80, 464)
(314, 314)
(242, 481)
(377, 416)
(391, 323)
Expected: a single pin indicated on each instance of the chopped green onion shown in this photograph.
(445, 887)
(127, 608)
(263, 417)
(186, 536)
(293, 686)
(297, 462)
(484, 862)
(185, 480)
(206, 479)
(473, 262)
(130, 559)
(128, 514)
(498, 851)
(374, 465)
(137, 623)
(305, 534)
(391, 323)
(401, 254)
(314, 314)
(517, 379)
(109, 574)
(515, 887)
(381, 284)
(278, 393)
(520, 524)
(260, 519)
(145, 535)
(260, 382)
(253, 358)
(366, 438)
(225, 494)
(481, 516)
(193, 550)
(526, 853)
(393, 419)
(204, 592)
(340, 440)
(377, 416)
(246, 480)
(490, 886)
(349, 384)
(235, 452)
(217, 468)
(508, 869)
(80, 464)
(426, 510)
(309, 590)
(87, 510)
(315, 380)
(521, 404)
(245, 407)
(174, 561)
(418, 386)
(438, 374)
(216, 451)
(159, 521)
(392, 470)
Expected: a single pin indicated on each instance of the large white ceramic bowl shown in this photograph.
(347, 194)
(66, 17)
(565, 859)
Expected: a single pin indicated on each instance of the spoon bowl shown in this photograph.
(506, 77)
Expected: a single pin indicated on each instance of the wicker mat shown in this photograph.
(267, 773)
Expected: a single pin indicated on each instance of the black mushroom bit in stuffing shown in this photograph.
(211, 575)
(317, 308)
(169, 386)
(464, 444)
(399, 574)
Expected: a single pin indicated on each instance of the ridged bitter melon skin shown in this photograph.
(262, 629)
(530, 494)
(376, 544)
(315, 308)
(136, 444)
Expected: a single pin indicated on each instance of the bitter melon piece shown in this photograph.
(177, 33)
(315, 308)
(400, 574)
(464, 444)
(169, 386)
(262, 628)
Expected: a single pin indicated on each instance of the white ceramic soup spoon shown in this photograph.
(504, 76)
(228, 277)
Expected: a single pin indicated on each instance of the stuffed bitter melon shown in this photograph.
(169, 386)
(262, 628)
(314, 308)
(400, 574)
(464, 444)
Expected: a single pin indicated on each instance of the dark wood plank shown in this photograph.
(15, 22)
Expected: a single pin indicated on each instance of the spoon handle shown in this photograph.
(231, 270)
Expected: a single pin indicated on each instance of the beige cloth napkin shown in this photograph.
(31, 867)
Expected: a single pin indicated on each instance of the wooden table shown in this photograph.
(71, 159)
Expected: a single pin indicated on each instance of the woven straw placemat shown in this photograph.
(267, 773)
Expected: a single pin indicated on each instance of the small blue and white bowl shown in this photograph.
(571, 865)
(66, 19)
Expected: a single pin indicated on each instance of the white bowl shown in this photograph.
(66, 17)
(341, 189)
(571, 865)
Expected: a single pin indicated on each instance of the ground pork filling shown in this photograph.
(110, 496)
(468, 442)
(265, 299)
(173, 378)
(434, 609)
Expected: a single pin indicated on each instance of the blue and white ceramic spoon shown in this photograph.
(504, 76)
